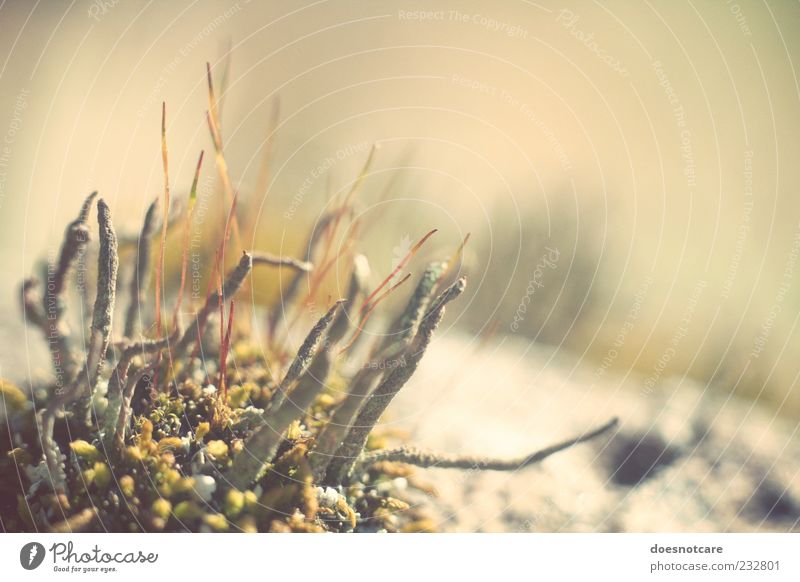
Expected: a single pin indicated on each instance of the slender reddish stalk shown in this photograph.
(216, 136)
(218, 264)
(414, 250)
(324, 268)
(163, 243)
(223, 85)
(186, 230)
(160, 265)
(225, 348)
(366, 314)
(347, 202)
(453, 260)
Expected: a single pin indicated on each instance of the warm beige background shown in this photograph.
(506, 131)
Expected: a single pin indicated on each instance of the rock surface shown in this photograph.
(684, 459)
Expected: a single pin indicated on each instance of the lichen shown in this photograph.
(212, 429)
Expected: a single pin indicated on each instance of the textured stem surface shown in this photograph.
(275, 261)
(304, 355)
(262, 445)
(76, 238)
(342, 465)
(422, 458)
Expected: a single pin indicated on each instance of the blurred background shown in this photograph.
(628, 172)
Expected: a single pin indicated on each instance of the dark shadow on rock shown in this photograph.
(634, 458)
(770, 501)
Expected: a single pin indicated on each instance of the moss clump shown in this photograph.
(200, 428)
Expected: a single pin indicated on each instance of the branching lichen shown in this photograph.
(422, 458)
(191, 431)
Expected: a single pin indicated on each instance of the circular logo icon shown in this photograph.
(31, 555)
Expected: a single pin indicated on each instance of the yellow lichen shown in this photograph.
(202, 430)
(188, 510)
(169, 444)
(234, 503)
(216, 521)
(162, 508)
(217, 449)
(133, 454)
(420, 526)
(85, 451)
(102, 475)
(14, 398)
(127, 485)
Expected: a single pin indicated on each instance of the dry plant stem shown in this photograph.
(275, 261)
(422, 458)
(140, 279)
(341, 467)
(229, 288)
(76, 239)
(304, 355)
(260, 448)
